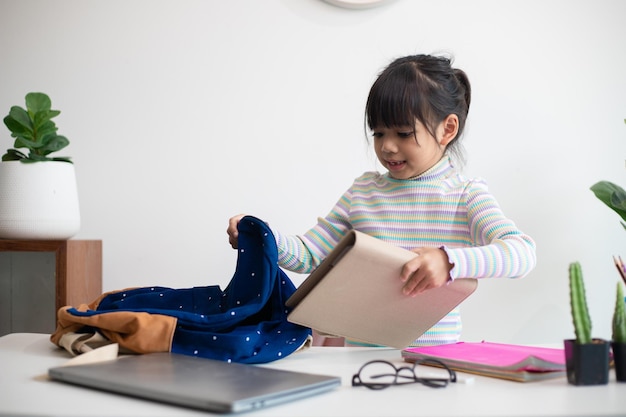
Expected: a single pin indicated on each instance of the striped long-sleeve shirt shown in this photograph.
(440, 208)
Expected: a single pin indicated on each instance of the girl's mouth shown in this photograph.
(395, 165)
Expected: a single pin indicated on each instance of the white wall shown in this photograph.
(183, 113)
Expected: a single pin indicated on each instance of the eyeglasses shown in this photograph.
(379, 374)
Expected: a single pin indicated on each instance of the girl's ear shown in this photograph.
(450, 128)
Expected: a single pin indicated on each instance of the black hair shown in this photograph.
(422, 87)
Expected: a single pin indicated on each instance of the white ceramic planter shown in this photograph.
(38, 200)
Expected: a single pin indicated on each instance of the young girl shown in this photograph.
(416, 111)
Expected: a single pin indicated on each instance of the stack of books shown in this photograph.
(513, 362)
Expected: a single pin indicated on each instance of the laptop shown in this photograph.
(199, 383)
(356, 293)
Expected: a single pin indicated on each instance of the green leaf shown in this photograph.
(22, 142)
(62, 159)
(48, 128)
(37, 158)
(36, 102)
(42, 118)
(612, 195)
(18, 120)
(17, 130)
(13, 155)
(54, 144)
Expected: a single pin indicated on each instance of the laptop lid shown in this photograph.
(356, 293)
(194, 382)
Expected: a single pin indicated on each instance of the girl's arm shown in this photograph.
(501, 249)
(304, 253)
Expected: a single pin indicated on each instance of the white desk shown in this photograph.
(25, 391)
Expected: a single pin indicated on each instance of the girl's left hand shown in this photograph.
(430, 269)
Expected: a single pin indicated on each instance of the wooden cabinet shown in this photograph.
(37, 277)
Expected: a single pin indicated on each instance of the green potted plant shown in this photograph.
(34, 130)
(614, 197)
(38, 192)
(586, 358)
(618, 342)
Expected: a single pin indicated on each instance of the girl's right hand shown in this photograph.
(233, 233)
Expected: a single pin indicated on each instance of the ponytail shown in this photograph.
(461, 76)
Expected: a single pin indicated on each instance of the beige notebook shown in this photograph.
(356, 293)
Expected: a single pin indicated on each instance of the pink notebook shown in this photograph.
(514, 362)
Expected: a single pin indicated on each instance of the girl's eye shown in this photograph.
(406, 134)
(377, 134)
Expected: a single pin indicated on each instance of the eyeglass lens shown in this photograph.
(378, 373)
(382, 374)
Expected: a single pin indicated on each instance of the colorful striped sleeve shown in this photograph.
(500, 248)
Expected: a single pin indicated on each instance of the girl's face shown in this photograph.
(407, 151)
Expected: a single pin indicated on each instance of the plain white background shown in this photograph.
(183, 113)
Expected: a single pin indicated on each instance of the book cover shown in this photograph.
(508, 361)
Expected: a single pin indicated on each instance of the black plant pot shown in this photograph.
(587, 364)
(619, 359)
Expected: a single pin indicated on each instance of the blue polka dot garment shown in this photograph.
(245, 323)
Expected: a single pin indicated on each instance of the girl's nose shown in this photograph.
(388, 145)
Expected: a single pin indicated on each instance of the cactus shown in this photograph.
(619, 317)
(578, 302)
